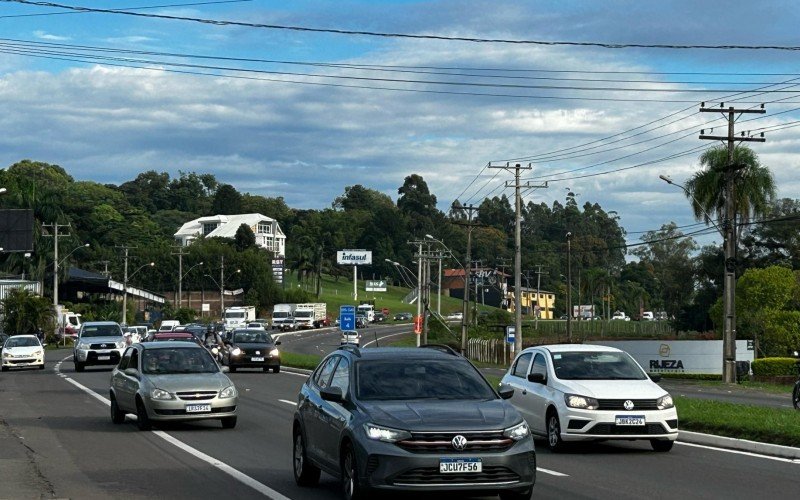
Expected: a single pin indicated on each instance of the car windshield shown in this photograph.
(22, 342)
(177, 360)
(596, 366)
(252, 338)
(404, 379)
(101, 331)
(234, 315)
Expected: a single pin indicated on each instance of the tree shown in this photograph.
(244, 238)
(25, 313)
(418, 204)
(755, 186)
(227, 201)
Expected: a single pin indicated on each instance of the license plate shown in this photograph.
(460, 465)
(630, 420)
(198, 408)
(103, 358)
(257, 358)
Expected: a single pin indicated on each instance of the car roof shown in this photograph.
(379, 353)
(170, 344)
(23, 336)
(95, 323)
(554, 348)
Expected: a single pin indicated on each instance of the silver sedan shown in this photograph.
(171, 381)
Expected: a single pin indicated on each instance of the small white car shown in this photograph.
(21, 351)
(621, 316)
(458, 315)
(578, 392)
(350, 337)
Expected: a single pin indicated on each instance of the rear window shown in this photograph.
(406, 379)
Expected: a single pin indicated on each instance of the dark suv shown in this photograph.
(408, 419)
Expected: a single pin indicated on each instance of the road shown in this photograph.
(57, 441)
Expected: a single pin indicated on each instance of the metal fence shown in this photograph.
(495, 351)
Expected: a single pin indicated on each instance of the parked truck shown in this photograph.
(238, 317)
(67, 322)
(367, 310)
(313, 315)
(283, 317)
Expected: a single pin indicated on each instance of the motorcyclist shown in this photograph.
(214, 340)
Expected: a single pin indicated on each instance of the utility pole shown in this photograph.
(470, 210)
(538, 295)
(125, 286)
(569, 287)
(222, 287)
(729, 236)
(518, 244)
(180, 255)
(54, 226)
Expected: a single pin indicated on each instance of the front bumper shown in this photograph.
(386, 466)
(174, 410)
(585, 425)
(98, 356)
(246, 361)
(19, 362)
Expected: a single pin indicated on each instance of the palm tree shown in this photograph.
(754, 185)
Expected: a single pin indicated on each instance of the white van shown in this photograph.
(168, 325)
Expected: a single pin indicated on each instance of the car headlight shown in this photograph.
(227, 392)
(518, 432)
(37, 353)
(236, 351)
(7, 354)
(274, 352)
(581, 402)
(214, 350)
(664, 402)
(83, 345)
(161, 394)
(385, 434)
(120, 344)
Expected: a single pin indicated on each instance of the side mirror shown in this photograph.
(333, 394)
(655, 377)
(132, 372)
(537, 378)
(278, 342)
(505, 391)
(225, 369)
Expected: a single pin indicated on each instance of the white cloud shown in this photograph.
(43, 35)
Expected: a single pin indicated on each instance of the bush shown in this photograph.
(774, 367)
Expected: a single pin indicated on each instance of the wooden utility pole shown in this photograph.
(729, 236)
(470, 210)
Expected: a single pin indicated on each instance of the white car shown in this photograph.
(21, 351)
(350, 337)
(577, 392)
(456, 315)
(619, 315)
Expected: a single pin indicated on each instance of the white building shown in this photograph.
(268, 233)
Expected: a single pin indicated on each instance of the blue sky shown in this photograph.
(286, 135)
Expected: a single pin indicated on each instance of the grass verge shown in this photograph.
(295, 360)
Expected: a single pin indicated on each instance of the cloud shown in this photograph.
(42, 35)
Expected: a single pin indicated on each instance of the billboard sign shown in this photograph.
(376, 286)
(679, 356)
(277, 270)
(354, 257)
(16, 230)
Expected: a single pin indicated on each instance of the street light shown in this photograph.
(180, 284)
(57, 263)
(125, 288)
(465, 301)
(400, 268)
(697, 203)
(221, 286)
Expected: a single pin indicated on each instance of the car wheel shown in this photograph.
(351, 488)
(117, 415)
(79, 366)
(276, 369)
(796, 396)
(516, 495)
(5, 369)
(661, 445)
(305, 474)
(232, 369)
(554, 441)
(229, 422)
(265, 369)
(41, 367)
(142, 420)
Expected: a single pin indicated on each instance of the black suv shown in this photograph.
(408, 419)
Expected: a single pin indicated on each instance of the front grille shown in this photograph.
(577, 424)
(627, 430)
(492, 474)
(104, 345)
(439, 442)
(372, 464)
(224, 409)
(27, 360)
(196, 395)
(619, 404)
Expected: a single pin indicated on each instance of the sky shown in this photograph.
(303, 114)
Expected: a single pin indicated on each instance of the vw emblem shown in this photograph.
(459, 442)
(628, 405)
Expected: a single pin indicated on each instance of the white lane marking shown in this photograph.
(239, 476)
(552, 472)
(384, 337)
(738, 452)
(295, 373)
(288, 402)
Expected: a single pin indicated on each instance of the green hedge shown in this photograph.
(775, 367)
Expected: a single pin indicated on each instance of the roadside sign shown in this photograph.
(418, 324)
(347, 318)
(511, 334)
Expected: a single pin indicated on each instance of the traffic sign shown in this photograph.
(511, 334)
(418, 324)
(347, 318)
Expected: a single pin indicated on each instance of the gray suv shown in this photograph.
(419, 419)
(99, 343)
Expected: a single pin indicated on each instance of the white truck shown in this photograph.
(313, 315)
(366, 310)
(238, 317)
(67, 322)
(283, 317)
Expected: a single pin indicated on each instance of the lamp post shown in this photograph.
(221, 286)
(465, 302)
(402, 270)
(569, 286)
(125, 288)
(57, 263)
(180, 284)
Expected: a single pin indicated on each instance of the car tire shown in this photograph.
(229, 422)
(79, 366)
(305, 474)
(351, 488)
(117, 415)
(5, 369)
(265, 369)
(276, 369)
(516, 495)
(661, 445)
(232, 369)
(41, 367)
(554, 441)
(142, 420)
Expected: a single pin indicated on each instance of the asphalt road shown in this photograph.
(57, 441)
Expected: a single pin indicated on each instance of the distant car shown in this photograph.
(256, 324)
(168, 325)
(574, 392)
(176, 337)
(405, 316)
(648, 316)
(252, 348)
(20, 351)
(563, 316)
(350, 337)
(620, 316)
(171, 381)
(379, 317)
(457, 315)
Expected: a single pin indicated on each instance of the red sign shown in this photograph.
(417, 324)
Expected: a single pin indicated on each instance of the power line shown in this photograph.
(217, 22)
(193, 4)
